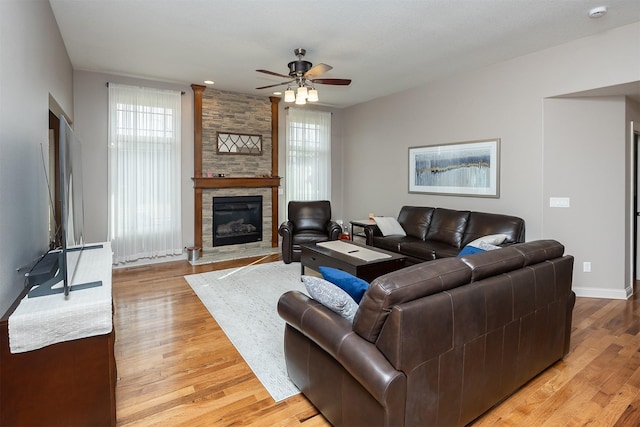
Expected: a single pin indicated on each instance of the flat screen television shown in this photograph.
(61, 264)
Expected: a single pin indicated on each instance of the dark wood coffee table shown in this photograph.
(314, 256)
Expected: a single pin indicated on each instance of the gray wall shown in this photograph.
(584, 141)
(507, 101)
(35, 75)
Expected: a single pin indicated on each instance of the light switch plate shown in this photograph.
(559, 202)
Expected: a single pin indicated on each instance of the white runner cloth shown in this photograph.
(42, 321)
(353, 250)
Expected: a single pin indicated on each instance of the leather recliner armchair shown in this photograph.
(308, 222)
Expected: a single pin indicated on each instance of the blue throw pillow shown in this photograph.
(351, 284)
(468, 250)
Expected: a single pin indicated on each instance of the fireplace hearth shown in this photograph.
(237, 220)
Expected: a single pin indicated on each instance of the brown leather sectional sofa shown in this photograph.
(436, 343)
(438, 233)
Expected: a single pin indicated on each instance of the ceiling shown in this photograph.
(383, 46)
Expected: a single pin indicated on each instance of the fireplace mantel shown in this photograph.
(235, 182)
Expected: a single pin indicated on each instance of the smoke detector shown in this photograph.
(598, 12)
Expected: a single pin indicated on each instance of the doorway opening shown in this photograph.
(636, 207)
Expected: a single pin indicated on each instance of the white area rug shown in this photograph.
(244, 303)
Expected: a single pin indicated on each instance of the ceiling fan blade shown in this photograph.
(339, 82)
(273, 74)
(277, 84)
(317, 70)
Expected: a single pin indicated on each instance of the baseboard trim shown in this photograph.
(149, 261)
(604, 293)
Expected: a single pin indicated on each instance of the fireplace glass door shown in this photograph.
(237, 220)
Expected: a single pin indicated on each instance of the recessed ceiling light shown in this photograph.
(208, 82)
(598, 12)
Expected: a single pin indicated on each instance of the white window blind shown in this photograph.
(308, 155)
(144, 172)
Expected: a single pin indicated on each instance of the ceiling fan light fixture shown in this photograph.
(300, 99)
(313, 95)
(289, 95)
(302, 77)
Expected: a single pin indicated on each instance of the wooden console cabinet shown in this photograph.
(69, 383)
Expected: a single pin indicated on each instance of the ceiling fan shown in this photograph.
(303, 74)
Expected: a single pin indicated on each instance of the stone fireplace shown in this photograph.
(233, 176)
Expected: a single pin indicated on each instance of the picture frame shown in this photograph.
(469, 168)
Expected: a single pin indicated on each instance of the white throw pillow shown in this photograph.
(389, 226)
(331, 296)
(488, 246)
(492, 239)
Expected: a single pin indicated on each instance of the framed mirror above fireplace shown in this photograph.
(238, 143)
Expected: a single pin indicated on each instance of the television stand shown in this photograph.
(62, 383)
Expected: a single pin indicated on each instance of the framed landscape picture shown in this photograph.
(461, 169)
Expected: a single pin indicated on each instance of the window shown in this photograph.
(144, 172)
(308, 155)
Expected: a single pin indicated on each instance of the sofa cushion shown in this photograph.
(309, 236)
(349, 283)
(416, 249)
(390, 243)
(389, 226)
(430, 248)
(310, 215)
(406, 285)
(447, 226)
(415, 220)
(331, 296)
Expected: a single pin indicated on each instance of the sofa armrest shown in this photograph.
(370, 231)
(286, 228)
(334, 230)
(335, 335)
(286, 231)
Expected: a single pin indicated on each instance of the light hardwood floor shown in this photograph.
(177, 368)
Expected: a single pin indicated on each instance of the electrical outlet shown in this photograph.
(586, 267)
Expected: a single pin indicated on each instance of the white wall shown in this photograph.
(504, 101)
(34, 67)
(91, 98)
